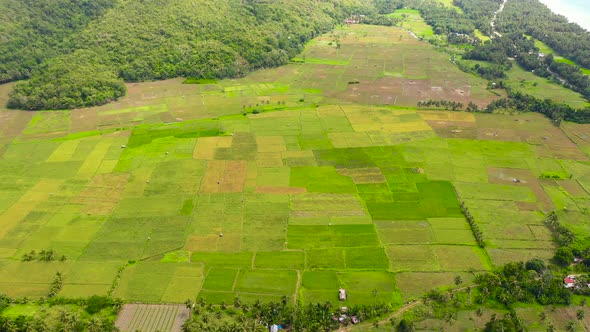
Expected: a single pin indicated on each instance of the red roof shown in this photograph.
(569, 280)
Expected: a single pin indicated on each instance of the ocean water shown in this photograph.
(577, 11)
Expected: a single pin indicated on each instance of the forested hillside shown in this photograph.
(33, 31)
(141, 40)
(517, 23)
(480, 11)
(535, 19)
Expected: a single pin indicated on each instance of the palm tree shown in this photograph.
(190, 326)
(392, 321)
(9, 326)
(570, 326)
(580, 314)
(543, 315)
(406, 326)
(94, 324)
(375, 292)
(479, 312)
(30, 325)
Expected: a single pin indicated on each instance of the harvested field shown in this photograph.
(152, 318)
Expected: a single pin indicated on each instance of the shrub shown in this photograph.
(97, 303)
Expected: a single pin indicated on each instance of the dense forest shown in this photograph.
(535, 19)
(481, 12)
(34, 31)
(150, 40)
(522, 22)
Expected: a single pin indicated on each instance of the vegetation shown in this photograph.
(514, 283)
(258, 316)
(481, 12)
(58, 314)
(500, 50)
(213, 39)
(43, 256)
(444, 20)
(69, 81)
(569, 39)
(289, 184)
(33, 32)
(527, 103)
(56, 285)
(477, 233)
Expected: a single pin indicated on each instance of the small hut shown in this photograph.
(342, 294)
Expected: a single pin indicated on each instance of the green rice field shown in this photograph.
(289, 182)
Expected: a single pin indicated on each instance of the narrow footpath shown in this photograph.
(493, 23)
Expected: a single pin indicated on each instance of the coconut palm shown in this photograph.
(94, 324)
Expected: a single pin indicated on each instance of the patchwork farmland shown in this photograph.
(289, 182)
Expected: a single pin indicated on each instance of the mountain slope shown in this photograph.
(33, 31)
(141, 40)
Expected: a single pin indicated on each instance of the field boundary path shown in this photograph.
(493, 23)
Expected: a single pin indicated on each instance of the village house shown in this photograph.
(342, 294)
(569, 281)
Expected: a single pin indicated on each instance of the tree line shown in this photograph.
(555, 111)
(499, 51)
(477, 233)
(568, 39)
(259, 316)
(93, 314)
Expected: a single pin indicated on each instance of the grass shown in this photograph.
(280, 260)
(267, 281)
(543, 88)
(546, 49)
(220, 279)
(413, 21)
(362, 287)
(481, 36)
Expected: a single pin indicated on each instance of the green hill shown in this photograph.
(140, 40)
(32, 31)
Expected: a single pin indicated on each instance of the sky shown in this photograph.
(577, 11)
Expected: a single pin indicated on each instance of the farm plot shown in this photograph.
(293, 200)
(362, 287)
(152, 318)
(373, 208)
(223, 284)
(153, 282)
